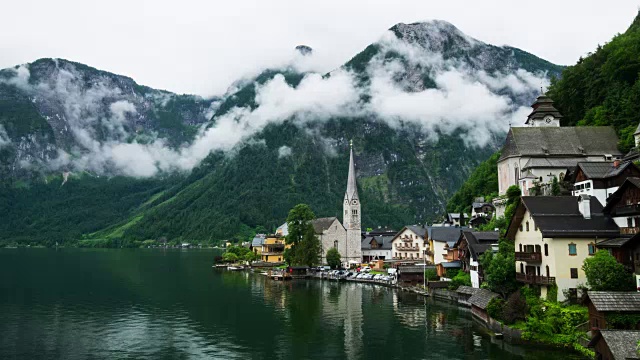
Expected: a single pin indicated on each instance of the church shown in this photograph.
(345, 236)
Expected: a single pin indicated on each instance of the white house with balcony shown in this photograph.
(553, 235)
(624, 206)
(410, 243)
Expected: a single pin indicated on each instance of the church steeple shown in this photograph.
(544, 113)
(352, 189)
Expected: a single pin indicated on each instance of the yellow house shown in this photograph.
(273, 249)
(553, 235)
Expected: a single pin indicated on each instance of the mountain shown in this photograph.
(424, 105)
(599, 90)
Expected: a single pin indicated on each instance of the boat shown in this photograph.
(235, 268)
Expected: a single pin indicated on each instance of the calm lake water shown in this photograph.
(156, 304)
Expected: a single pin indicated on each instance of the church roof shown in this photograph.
(578, 141)
(352, 188)
(543, 107)
(322, 224)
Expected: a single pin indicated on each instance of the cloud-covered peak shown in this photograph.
(434, 35)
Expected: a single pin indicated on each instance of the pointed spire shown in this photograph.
(352, 189)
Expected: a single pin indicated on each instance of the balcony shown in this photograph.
(626, 210)
(529, 256)
(629, 230)
(535, 279)
(408, 248)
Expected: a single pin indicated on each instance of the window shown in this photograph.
(574, 273)
(546, 249)
(547, 269)
(572, 249)
(592, 249)
(335, 244)
(527, 226)
(521, 268)
(629, 222)
(637, 221)
(520, 227)
(520, 247)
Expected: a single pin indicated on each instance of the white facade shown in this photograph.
(334, 235)
(557, 259)
(439, 251)
(475, 276)
(586, 188)
(407, 244)
(380, 254)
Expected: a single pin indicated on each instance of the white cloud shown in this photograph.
(284, 151)
(4, 138)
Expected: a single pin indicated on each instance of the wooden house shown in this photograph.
(464, 294)
(605, 306)
(479, 302)
(615, 344)
(601, 178)
(625, 249)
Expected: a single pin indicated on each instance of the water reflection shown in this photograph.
(171, 304)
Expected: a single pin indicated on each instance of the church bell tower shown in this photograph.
(352, 215)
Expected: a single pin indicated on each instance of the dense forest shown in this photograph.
(601, 89)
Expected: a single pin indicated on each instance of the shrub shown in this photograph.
(515, 308)
(431, 275)
(494, 308)
(462, 278)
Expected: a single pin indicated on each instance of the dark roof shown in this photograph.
(616, 242)
(322, 224)
(551, 163)
(383, 241)
(451, 264)
(578, 142)
(542, 107)
(464, 289)
(479, 205)
(617, 301)
(621, 343)
(418, 230)
(414, 269)
(446, 234)
(479, 242)
(481, 298)
(602, 169)
(617, 195)
(559, 216)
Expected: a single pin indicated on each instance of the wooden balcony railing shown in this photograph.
(629, 230)
(529, 256)
(535, 279)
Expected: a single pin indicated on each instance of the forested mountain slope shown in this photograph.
(424, 106)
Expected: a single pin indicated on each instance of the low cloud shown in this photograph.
(284, 151)
(464, 101)
(4, 138)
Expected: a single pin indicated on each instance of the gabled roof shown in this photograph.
(617, 242)
(551, 163)
(448, 234)
(480, 242)
(416, 229)
(479, 205)
(617, 195)
(602, 169)
(322, 224)
(481, 298)
(616, 301)
(464, 289)
(559, 216)
(578, 141)
(257, 241)
(384, 241)
(621, 343)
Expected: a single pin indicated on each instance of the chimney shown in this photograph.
(584, 205)
(616, 163)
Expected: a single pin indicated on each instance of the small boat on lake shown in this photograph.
(235, 268)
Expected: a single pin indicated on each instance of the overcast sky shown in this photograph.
(200, 47)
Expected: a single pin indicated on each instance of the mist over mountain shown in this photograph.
(423, 105)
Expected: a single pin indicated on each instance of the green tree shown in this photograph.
(305, 246)
(604, 273)
(500, 273)
(555, 186)
(251, 256)
(230, 257)
(333, 258)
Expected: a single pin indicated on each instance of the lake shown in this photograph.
(171, 304)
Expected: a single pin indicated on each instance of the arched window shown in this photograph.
(546, 249)
(547, 268)
(520, 247)
(335, 244)
(527, 226)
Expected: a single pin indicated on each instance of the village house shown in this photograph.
(624, 206)
(615, 344)
(273, 249)
(410, 243)
(440, 240)
(256, 244)
(481, 208)
(479, 302)
(601, 178)
(607, 306)
(533, 155)
(411, 275)
(377, 246)
(626, 250)
(553, 235)
(471, 245)
(634, 154)
(453, 219)
(464, 294)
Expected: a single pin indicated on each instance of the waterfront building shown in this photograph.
(331, 234)
(410, 243)
(603, 305)
(615, 344)
(471, 245)
(256, 244)
(273, 249)
(542, 149)
(377, 246)
(479, 302)
(601, 178)
(553, 235)
(440, 240)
